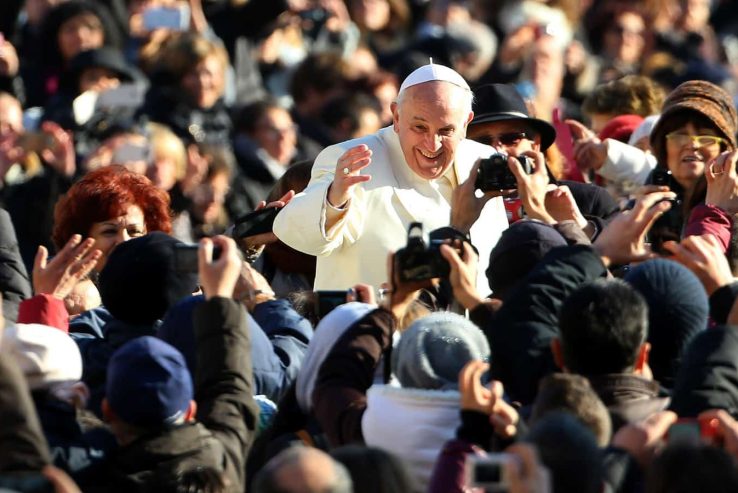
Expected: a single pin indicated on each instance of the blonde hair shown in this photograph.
(183, 51)
(165, 143)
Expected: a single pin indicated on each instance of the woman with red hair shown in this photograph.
(111, 205)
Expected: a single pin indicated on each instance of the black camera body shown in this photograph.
(418, 261)
(662, 177)
(495, 174)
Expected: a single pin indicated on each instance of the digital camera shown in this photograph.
(495, 174)
(418, 261)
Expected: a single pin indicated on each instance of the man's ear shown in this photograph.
(642, 358)
(191, 412)
(537, 143)
(395, 116)
(558, 353)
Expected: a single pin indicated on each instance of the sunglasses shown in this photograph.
(697, 140)
(508, 139)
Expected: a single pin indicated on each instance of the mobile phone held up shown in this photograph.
(172, 18)
(185, 257)
(489, 472)
(255, 223)
(326, 301)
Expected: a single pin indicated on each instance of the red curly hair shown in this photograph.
(104, 194)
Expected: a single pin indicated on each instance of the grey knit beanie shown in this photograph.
(432, 352)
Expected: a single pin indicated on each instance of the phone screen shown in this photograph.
(326, 301)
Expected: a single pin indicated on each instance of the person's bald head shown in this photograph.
(303, 470)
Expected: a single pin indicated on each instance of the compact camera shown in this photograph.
(489, 472)
(419, 261)
(495, 174)
(662, 177)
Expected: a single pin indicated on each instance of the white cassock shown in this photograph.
(355, 249)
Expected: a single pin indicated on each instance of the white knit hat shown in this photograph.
(46, 355)
(433, 72)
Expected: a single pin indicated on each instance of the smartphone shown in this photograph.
(35, 141)
(326, 301)
(255, 223)
(128, 95)
(489, 472)
(130, 153)
(185, 257)
(172, 18)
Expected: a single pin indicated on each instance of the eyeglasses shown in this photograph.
(508, 139)
(697, 140)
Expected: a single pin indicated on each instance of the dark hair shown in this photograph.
(568, 449)
(61, 13)
(684, 469)
(373, 470)
(246, 118)
(321, 72)
(344, 112)
(573, 394)
(103, 194)
(603, 325)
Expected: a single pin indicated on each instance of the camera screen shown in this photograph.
(487, 472)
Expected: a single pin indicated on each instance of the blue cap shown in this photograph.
(148, 383)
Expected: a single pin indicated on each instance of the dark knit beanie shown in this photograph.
(677, 312)
(701, 97)
(139, 281)
(518, 250)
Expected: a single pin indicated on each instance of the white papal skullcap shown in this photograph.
(432, 72)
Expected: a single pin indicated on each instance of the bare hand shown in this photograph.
(476, 397)
(256, 241)
(8, 58)
(623, 240)
(62, 482)
(529, 475)
(561, 205)
(722, 182)
(218, 278)
(532, 188)
(642, 440)
(463, 274)
(466, 207)
(61, 156)
(362, 292)
(589, 151)
(727, 429)
(252, 288)
(347, 174)
(704, 256)
(72, 264)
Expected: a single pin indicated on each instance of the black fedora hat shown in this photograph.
(502, 102)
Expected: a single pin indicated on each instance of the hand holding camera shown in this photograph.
(463, 274)
(218, 277)
(533, 186)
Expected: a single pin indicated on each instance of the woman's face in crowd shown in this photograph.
(624, 40)
(372, 15)
(209, 197)
(686, 158)
(108, 234)
(81, 32)
(204, 83)
(277, 135)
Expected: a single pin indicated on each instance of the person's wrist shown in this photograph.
(336, 199)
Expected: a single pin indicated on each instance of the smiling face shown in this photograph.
(685, 158)
(108, 234)
(205, 82)
(431, 120)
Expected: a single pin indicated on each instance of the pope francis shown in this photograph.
(364, 193)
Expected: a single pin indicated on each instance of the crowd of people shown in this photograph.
(369, 246)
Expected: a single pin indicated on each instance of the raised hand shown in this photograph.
(589, 151)
(561, 205)
(488, 400)
(623, 240)
(642, 440)
(218, 277)
(348, 174)
(466, 206)
(463, 274)
(704, 256)
(72, 264)
(533, 187)
(722, 182)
